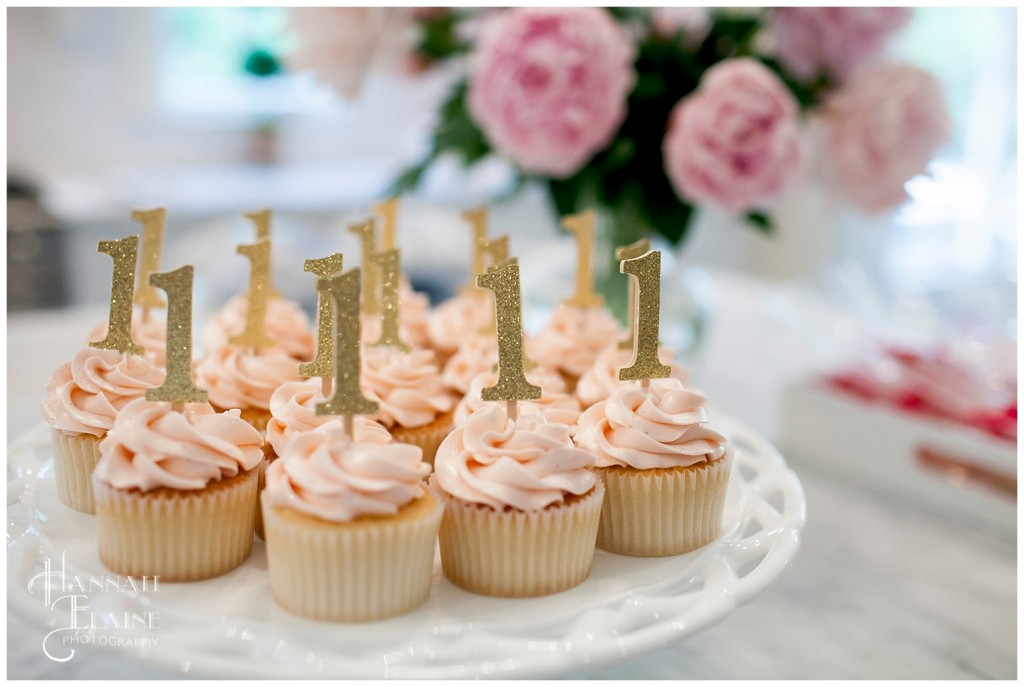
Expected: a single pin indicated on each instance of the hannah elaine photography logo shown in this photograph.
(67, 596)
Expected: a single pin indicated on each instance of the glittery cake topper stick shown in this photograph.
(178, 387)
(628, 252)
(582, 226)
(323, 364)
(512, 385)
(388, 211)
(477, 218)
(261, 218)
(646, 271)
(153, 222)
(367, 232)
(254, 335)
(348, 399)
(388, 262)
(122, 284)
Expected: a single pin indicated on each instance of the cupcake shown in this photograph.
(415, 406)
(665, 472)
(601, 379)
(149, 331)
(285, 322)
(522, 504)
(350, 527)
(572, 340)
(175, 491)
(238, 378)
(83, 398)
(556, 404)
(478, 353)
(293, 411)
(457, 319)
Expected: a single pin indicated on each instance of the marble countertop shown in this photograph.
(878, 589)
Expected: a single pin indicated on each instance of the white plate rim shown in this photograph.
(624, 631)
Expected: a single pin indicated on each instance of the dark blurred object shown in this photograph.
(36, 248)
(261, 63)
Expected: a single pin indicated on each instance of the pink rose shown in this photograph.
(735, 141)
(881, 129)
(832, 40)
(548, 86)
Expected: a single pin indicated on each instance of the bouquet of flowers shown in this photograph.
(651, 113)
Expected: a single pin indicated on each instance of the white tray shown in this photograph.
(230, 626)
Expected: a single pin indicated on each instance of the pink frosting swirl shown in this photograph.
(407, 386)
(458, 318)
(601, 380)
(557, 405)
(293, 411)
(661, 427)
(153, 446)
(150, 333)
(573, 338)
(286, 323)
(527, 464)
(325, 474)
(237, 378)
(85, 395)
(477, 354)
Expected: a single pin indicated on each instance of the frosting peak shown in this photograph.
(457, 318)
(601, 379)
(527, 464)
(293, 410)
(574, 337)
(659, 427)
(153, 446)
(326, 474)
(286, 323)
(85, 395)
(556, 404)
(407, 386)
(238, 378)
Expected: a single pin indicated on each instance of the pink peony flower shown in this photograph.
(693, 23)
(735, 141)
(833, 40)
(341, 44)
(548, 86)
(881, 129)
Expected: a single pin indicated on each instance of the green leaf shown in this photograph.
(564, 194)
(761, 222)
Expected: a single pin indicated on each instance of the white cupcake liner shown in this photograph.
(74, 459)
(662, 511)
(178, 536)
(512, 553)
(367, 569)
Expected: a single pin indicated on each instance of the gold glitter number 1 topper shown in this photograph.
(646, 271)
(367, 232)
(254, 335)
(582, 227)
(122, 284)
(323, 364)
(348, 398)
(153, 222)
(628, 252)
(512, 385)
(178, 387)
(261, 220)
(388, 262)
